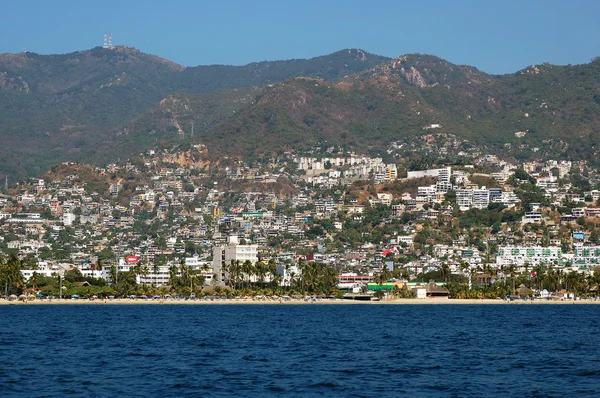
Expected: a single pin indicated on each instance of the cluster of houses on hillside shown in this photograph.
(161, 211)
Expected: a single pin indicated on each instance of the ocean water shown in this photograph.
(299, 350)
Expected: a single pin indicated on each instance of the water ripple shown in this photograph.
(304, 351)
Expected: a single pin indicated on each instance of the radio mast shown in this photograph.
(108, 41)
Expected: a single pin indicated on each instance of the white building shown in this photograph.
(532, 217)
(481, 198)
(233, 251)
(531, 255)
(586, 256)
(464, 198)
(443, 174)
(68, 219)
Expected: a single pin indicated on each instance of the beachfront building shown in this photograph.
(158, 276)
(586, 256)
(353, 282)
(233, 251)
(520, 256)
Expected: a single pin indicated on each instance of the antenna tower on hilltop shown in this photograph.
(6, 182)
(108, 41)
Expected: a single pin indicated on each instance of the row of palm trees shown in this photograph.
(541, 277)
(240, 275)
(11, 278)
(552, 279)
(317, 278)
(312, 278)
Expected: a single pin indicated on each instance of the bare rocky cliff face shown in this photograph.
(13, 83)
(426, 71)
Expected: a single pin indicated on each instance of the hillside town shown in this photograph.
(169, 218)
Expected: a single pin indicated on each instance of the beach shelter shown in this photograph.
(524, 290)
(433, 290)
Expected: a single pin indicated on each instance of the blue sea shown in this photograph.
(299, 350)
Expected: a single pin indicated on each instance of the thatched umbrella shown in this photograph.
(524, 290)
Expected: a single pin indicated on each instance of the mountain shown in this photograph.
(172, 119)
(102, 104)
(55, 108)
(541, 110)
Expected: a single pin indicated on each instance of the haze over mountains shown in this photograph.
(102, 104)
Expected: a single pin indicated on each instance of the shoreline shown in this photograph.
(299, 302)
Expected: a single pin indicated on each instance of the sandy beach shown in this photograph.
(297, 302)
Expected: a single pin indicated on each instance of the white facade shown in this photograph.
(464, 198)
(532, 255)
(443, 174)
(586, 256)
(481, 198)
(532, 217)
(231, 252)
(68, 219)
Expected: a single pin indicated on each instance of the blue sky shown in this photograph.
(496, 36)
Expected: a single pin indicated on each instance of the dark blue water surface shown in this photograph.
(299, 350)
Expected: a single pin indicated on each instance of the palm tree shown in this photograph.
(173, 269)
(261, 271)
(302, 267)
(551, 280)
(248, 270)
(11, 276)
(287, 265)
(594, 280)
(155, 268)
(226, 268)
(539, 272)
(512, 272)
(137, 270)
(383, 276)
(144, 269)
(99, 264)
(276, 279)
(387, 274)
(185, 272)
(292, 279)
(310, 279)
(113, 274)
(445, 271)
(35, 279)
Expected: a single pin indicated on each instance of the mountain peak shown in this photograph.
(422, 70)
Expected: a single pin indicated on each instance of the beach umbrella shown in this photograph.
(524, 290)
(12, 297)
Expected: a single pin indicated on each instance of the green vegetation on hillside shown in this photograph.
(55, 108)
